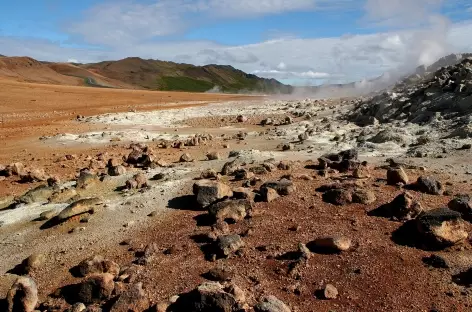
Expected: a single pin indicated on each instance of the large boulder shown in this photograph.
(441, 228)
(79, 207)
(208, 192)
(23, 295)
(235, 210)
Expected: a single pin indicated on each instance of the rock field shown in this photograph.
(267, 205)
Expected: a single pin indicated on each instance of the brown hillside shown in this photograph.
(76, 71)
(26, 69)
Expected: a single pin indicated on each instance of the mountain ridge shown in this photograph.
(138, 73)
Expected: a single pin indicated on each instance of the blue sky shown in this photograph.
(295, 41)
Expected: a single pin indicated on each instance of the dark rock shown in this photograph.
(208, 297)
(429, 185)
(229, 244)
(436, 261)
(283, 187)
(133, 299)
(96, 288)
(441, 228)
(208, 192)
(463, 205)
(338, 197)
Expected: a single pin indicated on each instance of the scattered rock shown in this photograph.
(330, 244)
(78, 307)
(271, 304)
(87, 180)
(269, 194)
(230, 167)
(267, 122)
(186, 158)
(17, 169)
(63, 196)
(79, 207)
(208, 192)
(98, 264)
(361, 173)
(47, 215)
(338, 197)
(404, 207)
(283, 187)
(213, 156)
(23, 295)
(364, 197)
(133, 299)
(159, 176)
(303, 136)
(40, 194)
(441, 228)
(288, 147)
(210, 296)
(436, 261)
(463, 205)
(429, 185)
(219, 274)
(330, 292)
(396, 175)
(242, 118)
(139, 181)
(116, 170)
(243, 174)
(229, 244)
(34, 262)
(244, 193)
(96, 288)
(235, 210)
(284, 165)
(35, 175)
(209, 174)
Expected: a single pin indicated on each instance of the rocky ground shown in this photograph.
(267, 205)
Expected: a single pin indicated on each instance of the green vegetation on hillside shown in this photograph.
(169, 83)
(169, 76)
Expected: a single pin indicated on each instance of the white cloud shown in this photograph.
(116, 22)
(124, 28)
(330, 60)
